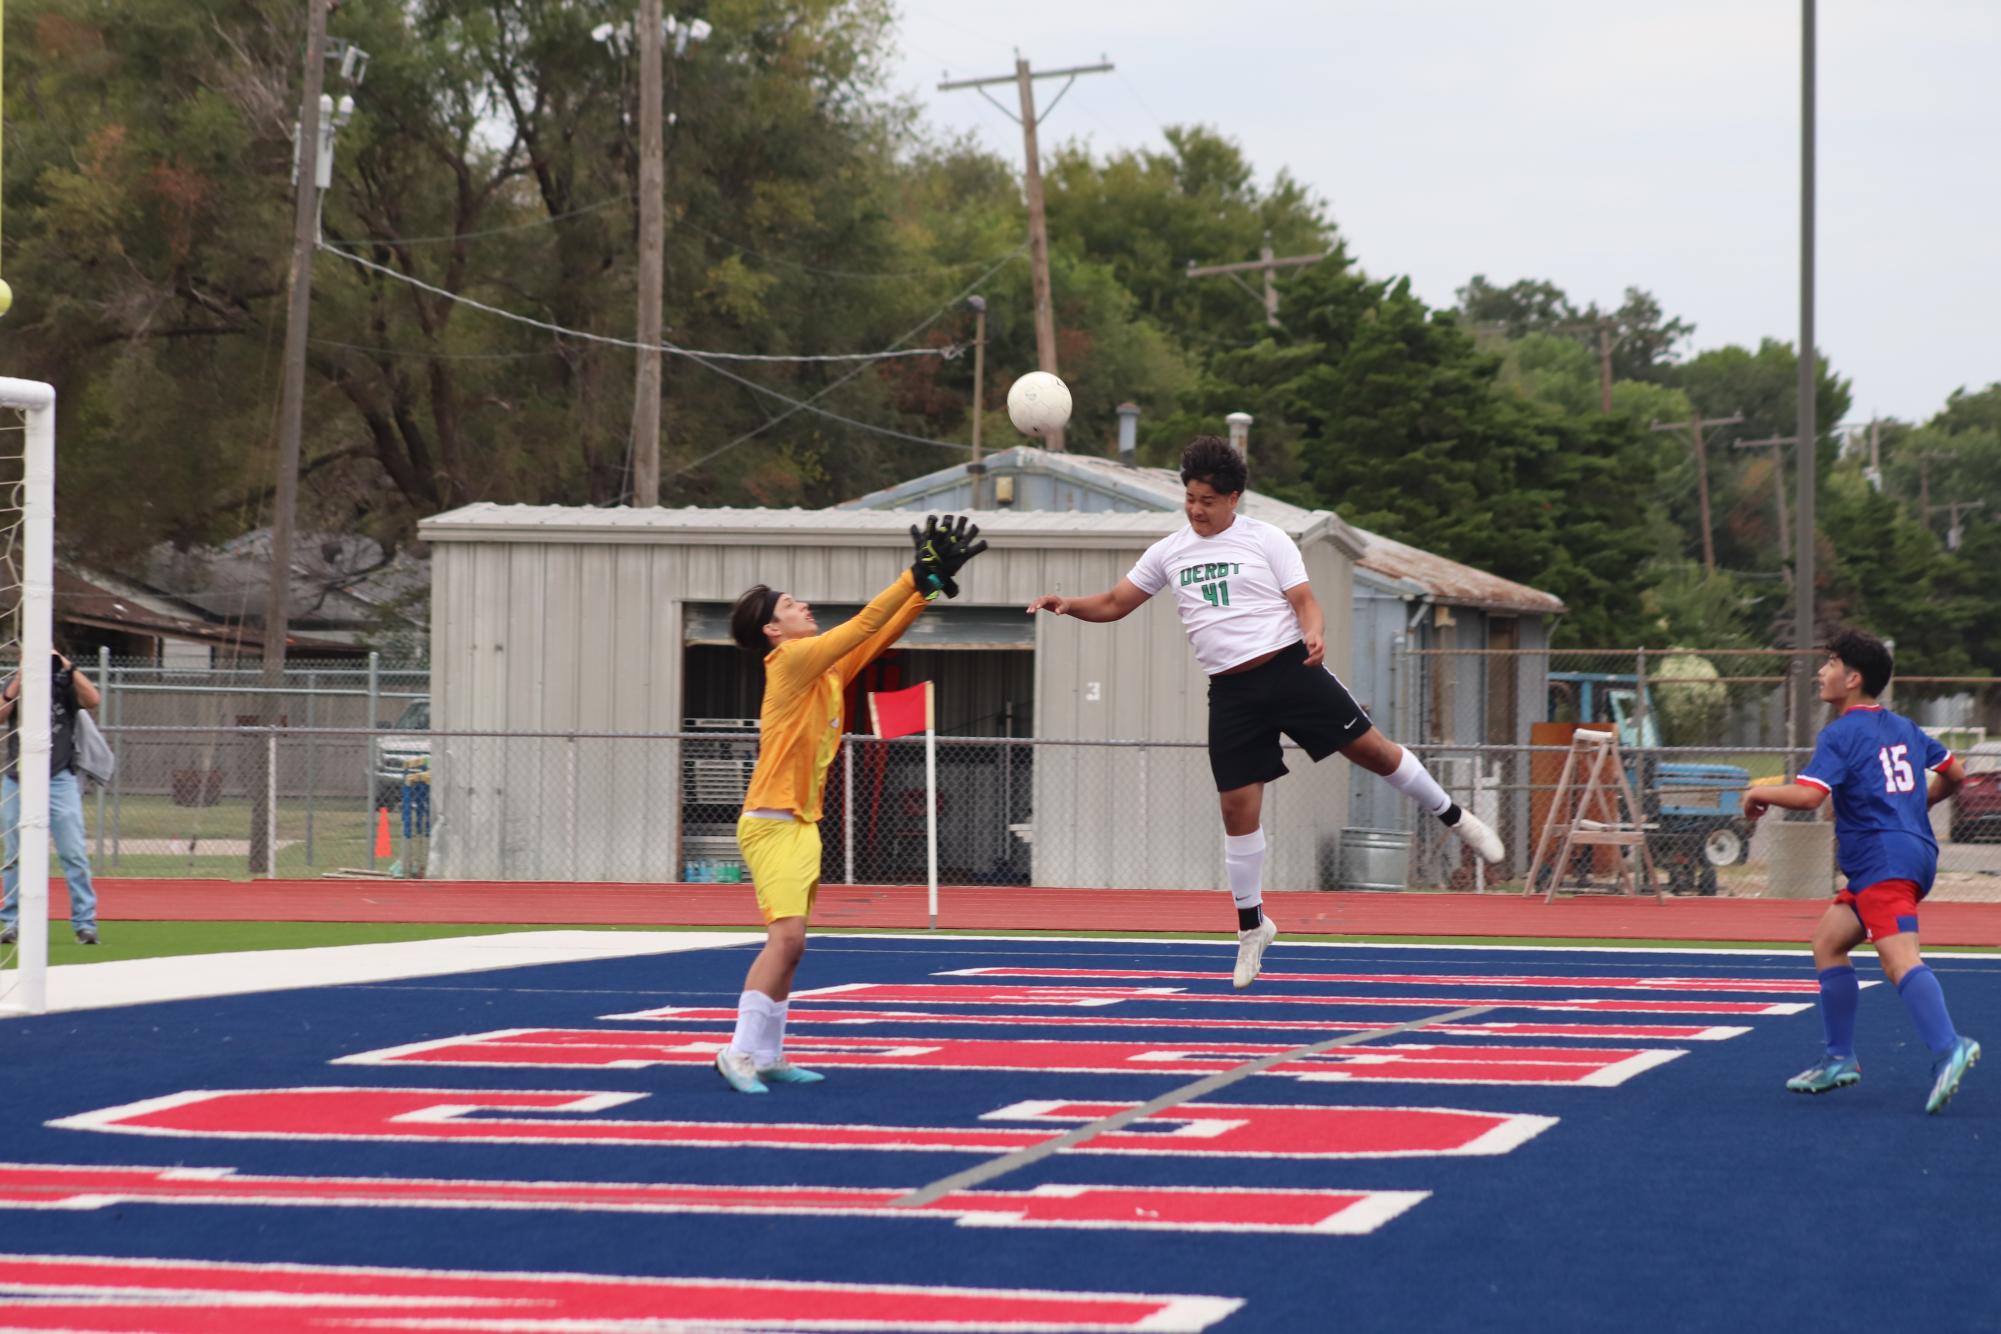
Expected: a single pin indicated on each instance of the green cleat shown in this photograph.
(787, 1073)
(1965, 1054)
(1829, 1073)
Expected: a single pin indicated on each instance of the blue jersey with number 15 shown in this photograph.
(1876, 764)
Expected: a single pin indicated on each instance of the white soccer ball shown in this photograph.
(1039, 404)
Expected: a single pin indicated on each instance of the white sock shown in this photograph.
(1244, 859)
(751, 1009)
(771, 1042)
(1415, 781)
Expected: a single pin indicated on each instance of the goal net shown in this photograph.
(27, 598)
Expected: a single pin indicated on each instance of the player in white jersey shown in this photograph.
(1242, 592)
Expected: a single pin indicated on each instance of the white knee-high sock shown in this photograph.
(751, 1010)
(1415, 781)
(771, 1042)
(1244, 859)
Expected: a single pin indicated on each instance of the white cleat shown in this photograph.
(1251, 952)
(1476, 834)
(739, 1071)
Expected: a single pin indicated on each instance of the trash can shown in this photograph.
(1374, 859)
(1799, 858)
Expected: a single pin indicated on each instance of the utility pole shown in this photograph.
(1268, 264)
(1694, 429)
(1605, 366)
(976, 471)
(291, 418)
(1925, 484)
(1024, 79)
(654, 29)
(652, 243)
(1953, 534)
(1777, 444)
(1874, 475)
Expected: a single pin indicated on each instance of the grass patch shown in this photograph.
(153, 940)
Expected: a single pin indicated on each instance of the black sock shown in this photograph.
(1248, 918)
(1450, 815)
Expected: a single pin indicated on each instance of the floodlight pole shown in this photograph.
(976, 471)
(652, 245)
(1804, 636)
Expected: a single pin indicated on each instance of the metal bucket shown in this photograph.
(1374, 859)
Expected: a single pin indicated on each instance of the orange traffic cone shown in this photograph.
(382, 848)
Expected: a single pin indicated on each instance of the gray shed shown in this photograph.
(565, 620)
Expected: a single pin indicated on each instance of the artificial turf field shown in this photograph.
(1483, 1138)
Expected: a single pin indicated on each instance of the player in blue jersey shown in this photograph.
(1884, 773)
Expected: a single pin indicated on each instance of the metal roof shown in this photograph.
(107, 602)
(1449, 582)
(1158, 489)
(844, 527)
(1412, 571)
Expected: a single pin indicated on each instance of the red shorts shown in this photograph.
(1886, 908)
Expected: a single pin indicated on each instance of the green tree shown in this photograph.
(1393, 418)
(1763, 386)
(1147, 215)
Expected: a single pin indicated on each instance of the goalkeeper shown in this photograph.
(806, 674)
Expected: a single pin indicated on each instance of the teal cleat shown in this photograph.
(1826, 1075)
(787, 1073)
(739, 1072)
(1965, 1054)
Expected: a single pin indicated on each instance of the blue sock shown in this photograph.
(1840, 996)
(1926, 1003)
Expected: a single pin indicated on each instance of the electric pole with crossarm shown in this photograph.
(1694, 429)
(1024, 79)
(1268, 263)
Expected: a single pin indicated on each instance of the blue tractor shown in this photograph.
(1695, 810)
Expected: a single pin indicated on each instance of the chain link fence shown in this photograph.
(358, 784)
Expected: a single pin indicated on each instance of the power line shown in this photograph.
(920, 327)
(948, 352)
(706, 359)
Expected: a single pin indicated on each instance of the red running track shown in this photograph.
(1012, 907)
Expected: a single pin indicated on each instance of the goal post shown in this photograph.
(27, 622)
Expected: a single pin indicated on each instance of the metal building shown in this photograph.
(1414, 612)
(579, 620)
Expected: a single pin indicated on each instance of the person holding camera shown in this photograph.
(70, 692)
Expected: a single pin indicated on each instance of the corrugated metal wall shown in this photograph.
(554, 635)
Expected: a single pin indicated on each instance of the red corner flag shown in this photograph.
(901, 712)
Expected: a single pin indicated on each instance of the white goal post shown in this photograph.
(27, 623)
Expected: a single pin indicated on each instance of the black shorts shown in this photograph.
(1248, 710)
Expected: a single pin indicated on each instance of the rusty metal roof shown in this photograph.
(1449, 582)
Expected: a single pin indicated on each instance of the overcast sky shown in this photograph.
(1594, 143)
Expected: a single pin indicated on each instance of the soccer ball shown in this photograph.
(1039, 404)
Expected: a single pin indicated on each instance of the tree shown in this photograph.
(1392, 416)
(1644, 341)
(1762, 385)
(1149, 214)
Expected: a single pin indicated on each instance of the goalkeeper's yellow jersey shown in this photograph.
(799, 726)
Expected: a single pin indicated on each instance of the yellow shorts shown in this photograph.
(784, 861)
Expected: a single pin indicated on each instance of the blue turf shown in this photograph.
(1698, 1195)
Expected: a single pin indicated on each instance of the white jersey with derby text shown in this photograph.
(1230, 589)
